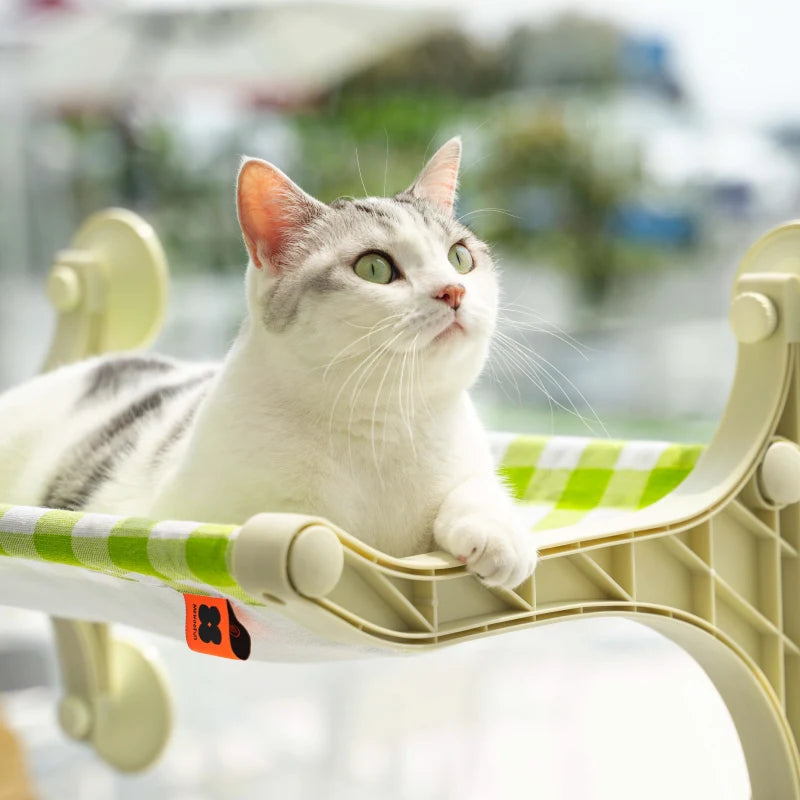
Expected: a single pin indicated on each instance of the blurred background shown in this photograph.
(619, 156)
(620, 160)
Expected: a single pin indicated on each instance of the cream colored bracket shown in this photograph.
(109, 290)
(115, 696)
(754, 309)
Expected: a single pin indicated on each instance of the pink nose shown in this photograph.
(452, 294)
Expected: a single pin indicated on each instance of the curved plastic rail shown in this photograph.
(715, 565)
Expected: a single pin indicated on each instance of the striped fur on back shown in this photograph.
(150, 390)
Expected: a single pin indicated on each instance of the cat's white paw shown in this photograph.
(499, 551)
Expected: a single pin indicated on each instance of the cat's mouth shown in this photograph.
(453, 329)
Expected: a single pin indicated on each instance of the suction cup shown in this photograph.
(134, 275)
(115, 695)
(134, 724)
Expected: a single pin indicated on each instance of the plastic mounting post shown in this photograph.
(115, 697)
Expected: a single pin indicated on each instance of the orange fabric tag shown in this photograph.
(212, 628)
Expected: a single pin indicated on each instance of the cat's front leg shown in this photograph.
(479, 525)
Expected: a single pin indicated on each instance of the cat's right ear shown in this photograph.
(273, 211)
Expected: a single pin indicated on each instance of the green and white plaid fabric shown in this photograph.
(187, 556)
(564, 480)
(557, 480)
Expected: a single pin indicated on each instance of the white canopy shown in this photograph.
(284, 52)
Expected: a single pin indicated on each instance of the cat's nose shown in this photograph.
(452, 294)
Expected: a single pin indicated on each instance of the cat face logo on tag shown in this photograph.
(212, 628)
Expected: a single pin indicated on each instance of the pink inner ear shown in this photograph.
(443, 192)
(271, 207)
(438, 181)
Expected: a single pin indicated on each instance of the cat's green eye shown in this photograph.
(374, 268)
(461, 259)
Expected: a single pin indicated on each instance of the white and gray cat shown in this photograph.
(344, 395)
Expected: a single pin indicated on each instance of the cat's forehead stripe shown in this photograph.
(400, 209)
(374, 209)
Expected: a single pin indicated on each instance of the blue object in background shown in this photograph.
(734, 198)
(541, 207)
(645, 224)
(644, 59)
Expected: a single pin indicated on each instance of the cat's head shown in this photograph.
(378, 288)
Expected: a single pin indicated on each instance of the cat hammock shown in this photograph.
(714, 564)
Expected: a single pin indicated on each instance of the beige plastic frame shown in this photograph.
(714, 566)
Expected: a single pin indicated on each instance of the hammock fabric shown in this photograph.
(123, 569)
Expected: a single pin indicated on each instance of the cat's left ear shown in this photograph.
(273, 211)
(438, 181)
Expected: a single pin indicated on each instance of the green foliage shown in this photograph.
(372, 134)
(188, 203)
(538, 150)
(447, 63)
(386, 136)
(393, 114)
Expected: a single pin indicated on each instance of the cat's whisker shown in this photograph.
(376, 356)
(375, 411)
(386, 165)
(576, 347)
(484, 210)
(475, 161)
(508, 371)
(528, 361)
(525, 316)
(406, 417)
(379, 326)
(427, 149)
(511, 369)
(520, 346)
(516, 362)
(364, 368)
(369, 358)
(362, 382)
(422, 396)
(414, 386)
(572, 409)
(528, 314)
(356, 393)
(532, 369)
(360, 175)
(539, 325)
(496, 350)
(400, 385)
(370, 327)
(503, 388)
(414, 374)
(412, 378)
(546, 365)
(386, 409)
(340, 355)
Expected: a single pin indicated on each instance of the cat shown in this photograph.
(344, 394)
